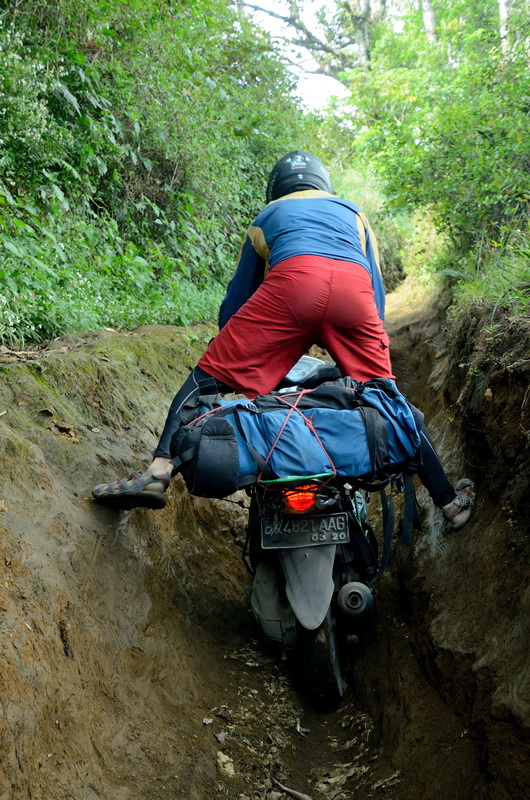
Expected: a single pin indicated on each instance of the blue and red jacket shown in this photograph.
(310, 222)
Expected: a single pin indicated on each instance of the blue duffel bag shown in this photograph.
(354, 430)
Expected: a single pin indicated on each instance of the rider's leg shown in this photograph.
(250, 355)
(353, 333)
(454, 501)
(266, 337)
(198, 383)
(351, 328)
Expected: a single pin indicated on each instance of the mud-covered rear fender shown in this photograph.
(309, 582)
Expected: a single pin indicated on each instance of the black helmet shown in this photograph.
(296, 171)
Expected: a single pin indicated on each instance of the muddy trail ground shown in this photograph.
(131, 667)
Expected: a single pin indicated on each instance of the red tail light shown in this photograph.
(300, 499)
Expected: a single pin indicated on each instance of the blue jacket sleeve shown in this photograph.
(249, 274)
(377, 280)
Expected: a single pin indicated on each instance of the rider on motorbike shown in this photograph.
(308, 273)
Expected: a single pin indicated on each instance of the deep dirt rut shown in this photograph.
(131, 667)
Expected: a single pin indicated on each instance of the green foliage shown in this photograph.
(61, 273)
(501, 277)
(458, 146)
(427, 252)
(393, 230)
(445, 127)
(135, 138)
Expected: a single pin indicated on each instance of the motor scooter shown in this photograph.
(314, 559)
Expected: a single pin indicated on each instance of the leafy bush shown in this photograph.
(135, 139)
(392, 229)
(61, 273)
(449, 133)
(501, 279)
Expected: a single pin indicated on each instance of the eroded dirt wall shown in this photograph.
(129, 663)
(103, 616)
(467, 595)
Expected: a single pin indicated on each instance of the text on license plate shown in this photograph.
(304, 531)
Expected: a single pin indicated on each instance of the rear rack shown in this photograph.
(321, 477)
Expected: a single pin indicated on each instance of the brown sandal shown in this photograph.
(131, 492)
(461, 505)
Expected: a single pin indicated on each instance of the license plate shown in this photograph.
(304, 531)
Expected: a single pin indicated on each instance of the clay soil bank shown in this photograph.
(130, 664)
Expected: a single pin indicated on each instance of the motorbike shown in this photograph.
(314, 559)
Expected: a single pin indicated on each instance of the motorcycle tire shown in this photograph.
(320, 665)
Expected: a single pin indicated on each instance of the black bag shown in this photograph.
(342, 427)
(213, 471)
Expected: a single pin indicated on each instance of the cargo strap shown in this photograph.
(376, 435)
(266, 472)
(309, 422)
(410, 519)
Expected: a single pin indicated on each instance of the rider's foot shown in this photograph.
(159, 466)
(458, 511)
(146, 490)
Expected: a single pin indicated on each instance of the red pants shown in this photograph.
(303, 301)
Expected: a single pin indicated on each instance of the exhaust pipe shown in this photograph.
(355, 600)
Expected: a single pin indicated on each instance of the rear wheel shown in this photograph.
(321, 666)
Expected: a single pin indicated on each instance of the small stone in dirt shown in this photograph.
(300, 730)
(387, 782)
(225, 764)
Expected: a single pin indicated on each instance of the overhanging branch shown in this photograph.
(337, 59)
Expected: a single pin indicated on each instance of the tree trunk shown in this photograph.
(505, 7)
(429, 20)
(361, 14)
